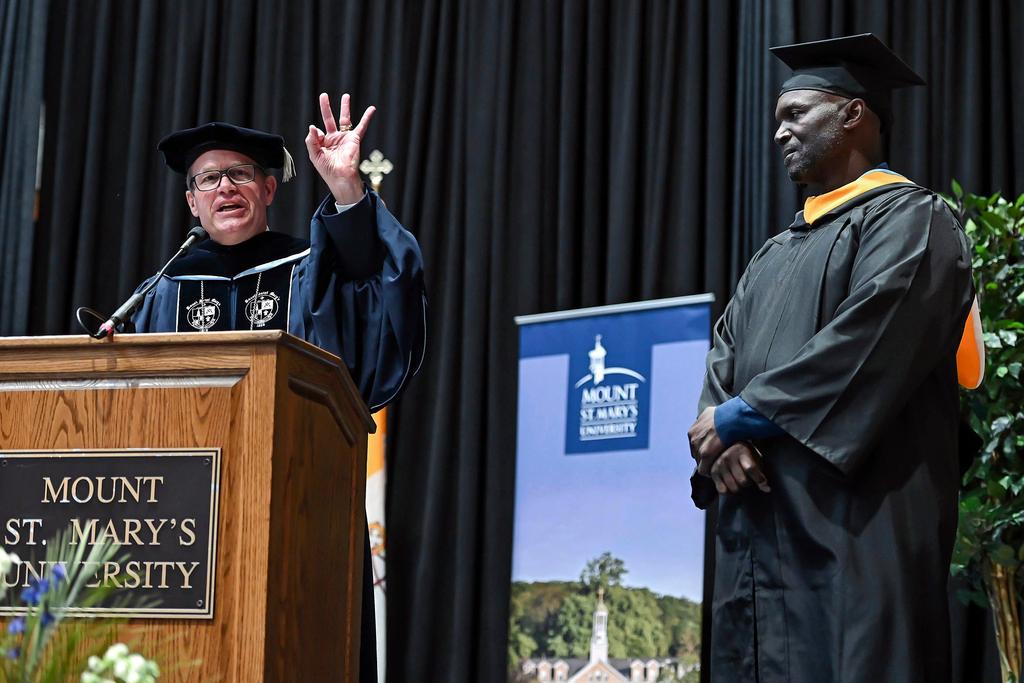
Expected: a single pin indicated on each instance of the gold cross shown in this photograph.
(376, 167)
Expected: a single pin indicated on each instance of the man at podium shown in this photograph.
(354, 289)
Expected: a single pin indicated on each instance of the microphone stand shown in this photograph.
(125, 310)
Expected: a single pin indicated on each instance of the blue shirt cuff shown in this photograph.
(736, 421)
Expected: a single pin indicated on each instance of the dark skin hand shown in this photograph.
(705, 445)
(739, 467)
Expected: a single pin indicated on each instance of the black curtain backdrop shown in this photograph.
(549, 155)
(22, 46)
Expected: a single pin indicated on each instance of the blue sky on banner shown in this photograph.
(622, 483)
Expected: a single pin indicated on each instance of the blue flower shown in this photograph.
(59, 572)
(46, 619)
(30, 596)
(35, 592)
(16, 626)
(13, 653)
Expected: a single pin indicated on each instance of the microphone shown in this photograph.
(128, 307)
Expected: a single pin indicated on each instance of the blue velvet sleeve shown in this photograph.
(362, 296)
(736, 421)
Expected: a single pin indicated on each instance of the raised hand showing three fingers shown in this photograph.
(335, 150)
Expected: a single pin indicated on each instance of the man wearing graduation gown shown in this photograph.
(829, 416)
(355, 288)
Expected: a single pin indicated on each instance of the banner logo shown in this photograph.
(610, 401)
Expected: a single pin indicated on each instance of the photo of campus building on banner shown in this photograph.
(579, 631)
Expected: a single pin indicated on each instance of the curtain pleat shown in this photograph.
(22, 49)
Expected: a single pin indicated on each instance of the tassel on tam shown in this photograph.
(288, 169)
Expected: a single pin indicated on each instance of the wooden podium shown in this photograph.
(292, 430)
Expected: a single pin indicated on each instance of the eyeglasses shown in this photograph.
(210, 180)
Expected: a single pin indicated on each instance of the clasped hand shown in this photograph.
(733, 468)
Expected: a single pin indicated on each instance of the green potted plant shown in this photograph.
(989, 552)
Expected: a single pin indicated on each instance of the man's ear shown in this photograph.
(270, 188)
(191, 199)
(855, 113)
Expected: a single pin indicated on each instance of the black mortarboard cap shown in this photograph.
(182, 148)
(852, 66)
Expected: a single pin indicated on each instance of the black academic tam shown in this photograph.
(851, 66)
(183, 147)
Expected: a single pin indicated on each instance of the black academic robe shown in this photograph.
(844, 334)
(355, 289)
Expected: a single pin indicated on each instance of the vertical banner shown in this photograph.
(608, 550)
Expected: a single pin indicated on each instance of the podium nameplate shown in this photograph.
(160, 506)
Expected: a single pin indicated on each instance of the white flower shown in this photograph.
(89, 677)
(7, 560)
(121, 668)
(118, 661)
(115, 652)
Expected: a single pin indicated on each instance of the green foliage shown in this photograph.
(46, 647)
(555, 619)
(991, 507)
(571, 634)
(520, 644)
(681, 619)
(635, 627)
(533, 612)
(603, 571)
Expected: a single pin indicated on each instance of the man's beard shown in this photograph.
(812, 154)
